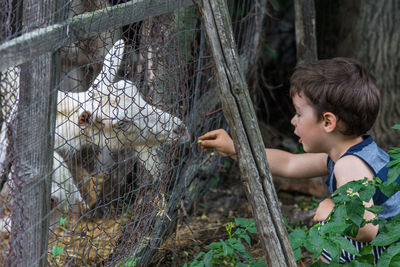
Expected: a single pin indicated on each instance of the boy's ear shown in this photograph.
(329, 121)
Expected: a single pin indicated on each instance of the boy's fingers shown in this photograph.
(208, 143)
(209, 135)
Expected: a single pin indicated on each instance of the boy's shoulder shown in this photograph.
(350, 168)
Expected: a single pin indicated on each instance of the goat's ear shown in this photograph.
(111, 64)
(112, 61)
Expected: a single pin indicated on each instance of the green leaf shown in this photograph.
(201, 254)
(393, 162)
(375, 209)
(297, 253)
(320, 264)
(366, 250)
(247, 239)
(334, 227)
(314, 242)
(227, 163)
(252, 230)
(390, 257)
(198, 264)
(260, 263)
(366, 256)
(208, 258)
(239, 247)
(242, 222)
(57, 250)
(386, 238)
(355, 211)
(297, 238)
(228, 250)
(331, 247)
(340, 213)
(214, 246)
(394, 154)
(377, 180)
(393, 173)
(396, 126)
(62, 221)
(368, 192)
(345, 244)
(355, 263)
(388, 189)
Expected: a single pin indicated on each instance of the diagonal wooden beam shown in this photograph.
(240, 115)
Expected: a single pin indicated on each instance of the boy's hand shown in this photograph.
(323, 210)
(218, 139)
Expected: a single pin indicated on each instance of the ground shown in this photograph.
(217, 208)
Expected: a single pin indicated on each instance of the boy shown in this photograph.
(336, 103)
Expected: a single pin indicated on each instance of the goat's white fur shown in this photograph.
(127, 120)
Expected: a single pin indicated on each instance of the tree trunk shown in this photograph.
(306, 43)
(369, 31)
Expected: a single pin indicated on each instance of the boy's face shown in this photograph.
(307, 125)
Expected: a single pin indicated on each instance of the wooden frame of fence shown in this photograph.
(55, 36)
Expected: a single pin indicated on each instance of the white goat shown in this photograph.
(114, 116)
(125, 118)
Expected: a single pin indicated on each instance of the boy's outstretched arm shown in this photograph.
(281, 163)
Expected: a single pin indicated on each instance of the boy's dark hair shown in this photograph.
(341, 86)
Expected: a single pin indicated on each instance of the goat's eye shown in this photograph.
(179, 130)
(121, 125)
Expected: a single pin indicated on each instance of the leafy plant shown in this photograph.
(347, 218)
(129, 262)
(230, 252)
(56, 251)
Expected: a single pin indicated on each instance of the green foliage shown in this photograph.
(129, 262)
(56, 251)
(346, 219)
(230, 252)
(300, 149)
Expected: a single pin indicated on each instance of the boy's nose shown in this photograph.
(292, 121)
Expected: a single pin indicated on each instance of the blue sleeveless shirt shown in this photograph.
(377, 160)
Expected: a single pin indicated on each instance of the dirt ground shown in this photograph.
(218, 207)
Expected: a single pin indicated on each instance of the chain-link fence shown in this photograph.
(131, 99)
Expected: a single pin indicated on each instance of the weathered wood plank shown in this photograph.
(306, 40)
(49, 39)
(33, 147)
(239, 112)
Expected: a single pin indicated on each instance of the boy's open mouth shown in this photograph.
(300, 141)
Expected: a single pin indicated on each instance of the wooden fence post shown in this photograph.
(34, 142)
(239, 112)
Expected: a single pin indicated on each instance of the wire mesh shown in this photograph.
(130, 103)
